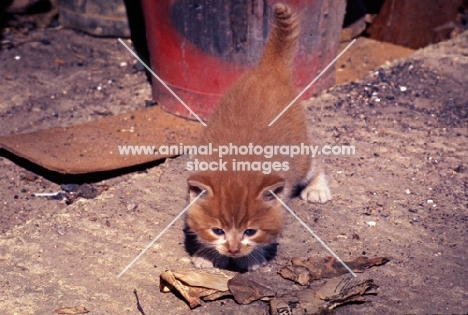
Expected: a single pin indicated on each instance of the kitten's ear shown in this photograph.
(196, 184)
(278, 190)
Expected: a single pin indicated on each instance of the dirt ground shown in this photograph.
(408, 122)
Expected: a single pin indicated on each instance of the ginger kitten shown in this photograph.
(235, 223)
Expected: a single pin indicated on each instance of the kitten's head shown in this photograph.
(237, 216)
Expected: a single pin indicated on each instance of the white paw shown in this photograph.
(201, 262)
(316, 193)
(256, 266)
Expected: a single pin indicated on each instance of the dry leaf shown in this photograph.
(304, 272)
(246, 291)
(195, 284)
(324, 299)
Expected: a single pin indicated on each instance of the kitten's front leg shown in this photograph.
(317, 190)
(201, 262)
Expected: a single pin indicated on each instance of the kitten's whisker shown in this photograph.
(257, 260)
(256, 257)
(314, 235)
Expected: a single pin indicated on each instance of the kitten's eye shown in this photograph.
(250, 232)
(218, 231)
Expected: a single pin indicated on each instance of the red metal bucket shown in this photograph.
(199, 48)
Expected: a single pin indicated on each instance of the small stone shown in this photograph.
(69, 188)
(407, 191)
(139, 66)
(61, 231)
(150, 103)
(132, 206)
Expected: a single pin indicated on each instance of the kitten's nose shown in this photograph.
(233, 251)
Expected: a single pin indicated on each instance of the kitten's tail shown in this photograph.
(278, 52)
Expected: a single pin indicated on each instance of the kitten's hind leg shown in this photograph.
(317, 189)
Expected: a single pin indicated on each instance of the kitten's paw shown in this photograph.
(316, 193)
(317, 190)
(201, 262)
(257, 266)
